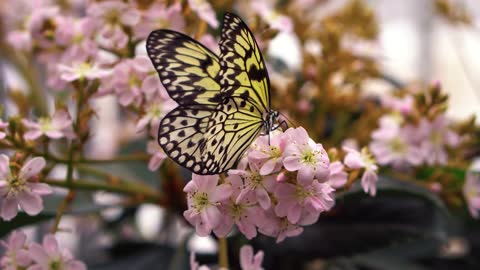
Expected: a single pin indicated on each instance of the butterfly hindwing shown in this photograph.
(186, 68)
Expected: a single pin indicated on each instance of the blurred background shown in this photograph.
(406, 229)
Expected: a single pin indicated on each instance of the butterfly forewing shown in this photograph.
(186, 68)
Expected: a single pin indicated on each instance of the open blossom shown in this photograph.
(132, 78)
(203, 197)
(20, 189)
(55, 127)
(471, 189)
(78, 36)
(155, 110)
(278, 227)
(269, 151)
(16, 253)
(42, 25)
(243, 212)
(2, 126)
(81, 71)
(393, 144)
(50, 256)
(113, 16)
(363, 160)
(249, 261)
(297, 200)
(437, 136)
(158, 16)
(205, 11)
(255, 183)
(307, 157)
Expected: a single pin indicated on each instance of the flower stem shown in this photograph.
(132, 189)
(61, 210)
(223, 252)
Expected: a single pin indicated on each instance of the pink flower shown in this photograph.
(158, 16)
(255, 183)
(437, 136)
(271, 16)
(393, 144)
(280, 228)
(269, 154)
(132, 77)
(243, 212)
(112, 16)
(203, 199)
(471, 190)
(248, 261)
(55, 127)
(20, 189)
(295, 201)
(42, 25)
(305, 156)
(338, 176)
(50, 256)
(78, 35)
(2, 126)
(205, 11)
(363, 160)
(156, 108)
(16, 255)
(158, 156)
(81, 71)
(403, 105)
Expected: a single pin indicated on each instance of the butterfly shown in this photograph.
(223, 101)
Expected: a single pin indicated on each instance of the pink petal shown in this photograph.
(294, 213)
(50, 245)
(211, 216)
(32, 135)
(54, 134)
(4, 166)
(9, 208)
(263, 198)
(292, 163)
(305, 175)
(33, 167)
(38, 254)
(268, 167)
(246, 257)
(30, 202)
(221, 193)
(40, 188)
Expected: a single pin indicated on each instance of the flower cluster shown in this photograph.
(20, 188)
(402, 143)
(284, 182)
(33, 256)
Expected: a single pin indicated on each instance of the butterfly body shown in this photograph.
(224, 101)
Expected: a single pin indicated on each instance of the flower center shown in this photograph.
(45, 124)
(155, 110)
(275, 152)
(201, 200)
(112, 17)
(134, 81)
(83, 69)
(397, 145)
(309, 157)
(55, 265)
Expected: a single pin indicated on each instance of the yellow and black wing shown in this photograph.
(224, 101)
(245, 90)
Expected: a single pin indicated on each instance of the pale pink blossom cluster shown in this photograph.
(248, 260)
(20, 189)
(284, 182)
(403, 144)
(32, 256)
